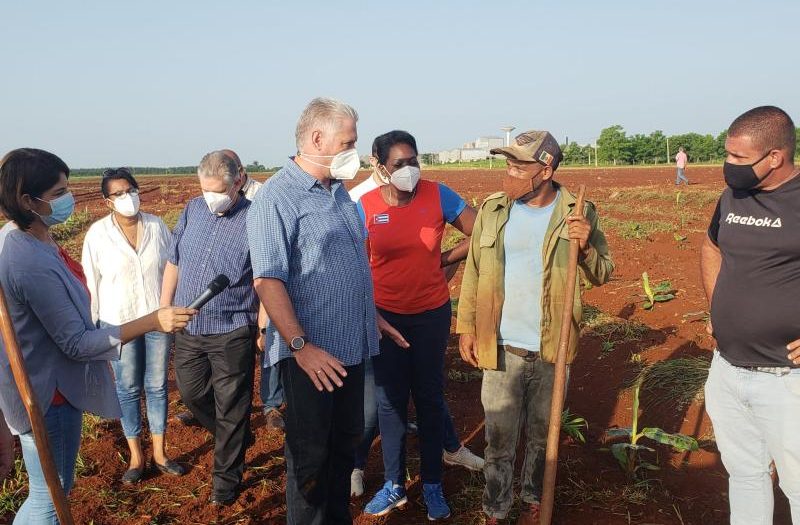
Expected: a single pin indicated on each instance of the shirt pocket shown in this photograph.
(487, 240)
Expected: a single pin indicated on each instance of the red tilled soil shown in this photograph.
(689, 488)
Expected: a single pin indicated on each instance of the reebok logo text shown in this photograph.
(766, 222)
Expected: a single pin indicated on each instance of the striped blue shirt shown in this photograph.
(205, 245)
(312, 239)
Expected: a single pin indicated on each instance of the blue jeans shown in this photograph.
(270, 387)
(416, 371)
(142, 366)
(515, 397)
(680, 177)
(755, 418)
(450, 443)
(63, 425)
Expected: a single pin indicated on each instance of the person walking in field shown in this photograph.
(510, 309)
(681, 160)
(750, 265)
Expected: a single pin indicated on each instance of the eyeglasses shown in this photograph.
(130, 191)
(110, 172)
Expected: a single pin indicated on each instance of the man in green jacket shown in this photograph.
(510, 308)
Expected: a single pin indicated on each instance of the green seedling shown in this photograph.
(628, 453)
(660, 293)
(573, 425)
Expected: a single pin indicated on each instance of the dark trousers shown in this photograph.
(417, 371)
(322, 431)
(451, 442)
(214, 374)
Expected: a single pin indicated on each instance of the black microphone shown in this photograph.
(219, 283)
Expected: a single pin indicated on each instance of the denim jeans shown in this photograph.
(142, 366)
(450, 443)
(756, 418)
(270, 387)
(322, 431)
(516, 395)
(415, 371)
(680, 177)
(63, 423)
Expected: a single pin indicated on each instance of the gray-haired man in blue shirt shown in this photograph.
(214, 356)
(312, 275)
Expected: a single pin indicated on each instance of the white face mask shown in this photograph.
(344, 165)
(127, 205)
(406, 178)
(217, 202)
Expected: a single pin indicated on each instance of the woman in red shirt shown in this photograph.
(405, 221)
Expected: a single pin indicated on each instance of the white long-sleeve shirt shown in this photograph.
(125, 283)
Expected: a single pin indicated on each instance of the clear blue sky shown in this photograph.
(161, 83)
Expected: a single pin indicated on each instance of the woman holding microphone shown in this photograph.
(49, 305)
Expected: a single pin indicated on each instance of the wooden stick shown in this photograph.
(560, 382)
(35, 414)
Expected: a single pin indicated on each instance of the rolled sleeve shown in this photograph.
(597, 267)
(467, 299)
(271, 232)
(175, 240)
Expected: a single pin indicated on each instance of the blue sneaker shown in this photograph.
(434, 500)
(391, 496)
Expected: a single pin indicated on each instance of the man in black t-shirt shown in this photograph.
(750, 266)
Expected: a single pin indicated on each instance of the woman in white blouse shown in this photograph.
(124, 255)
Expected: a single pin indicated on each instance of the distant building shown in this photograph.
(476, 150)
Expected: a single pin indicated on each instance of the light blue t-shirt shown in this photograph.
(522, 308)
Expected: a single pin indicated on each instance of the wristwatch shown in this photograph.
(297, 343)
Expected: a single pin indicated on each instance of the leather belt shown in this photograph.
(775, 370)
(520, 352)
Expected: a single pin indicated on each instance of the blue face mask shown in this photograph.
(61, 209)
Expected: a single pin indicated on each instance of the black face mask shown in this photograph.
(743, 176)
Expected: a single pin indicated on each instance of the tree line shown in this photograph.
(253, 167)
(616, 147)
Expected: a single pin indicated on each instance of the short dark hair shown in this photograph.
(27, 171)
(383, 143)
(116, 174)
(770, 128)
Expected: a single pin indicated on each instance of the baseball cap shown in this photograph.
(533, 146)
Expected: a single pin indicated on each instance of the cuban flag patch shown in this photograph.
(380, 218)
